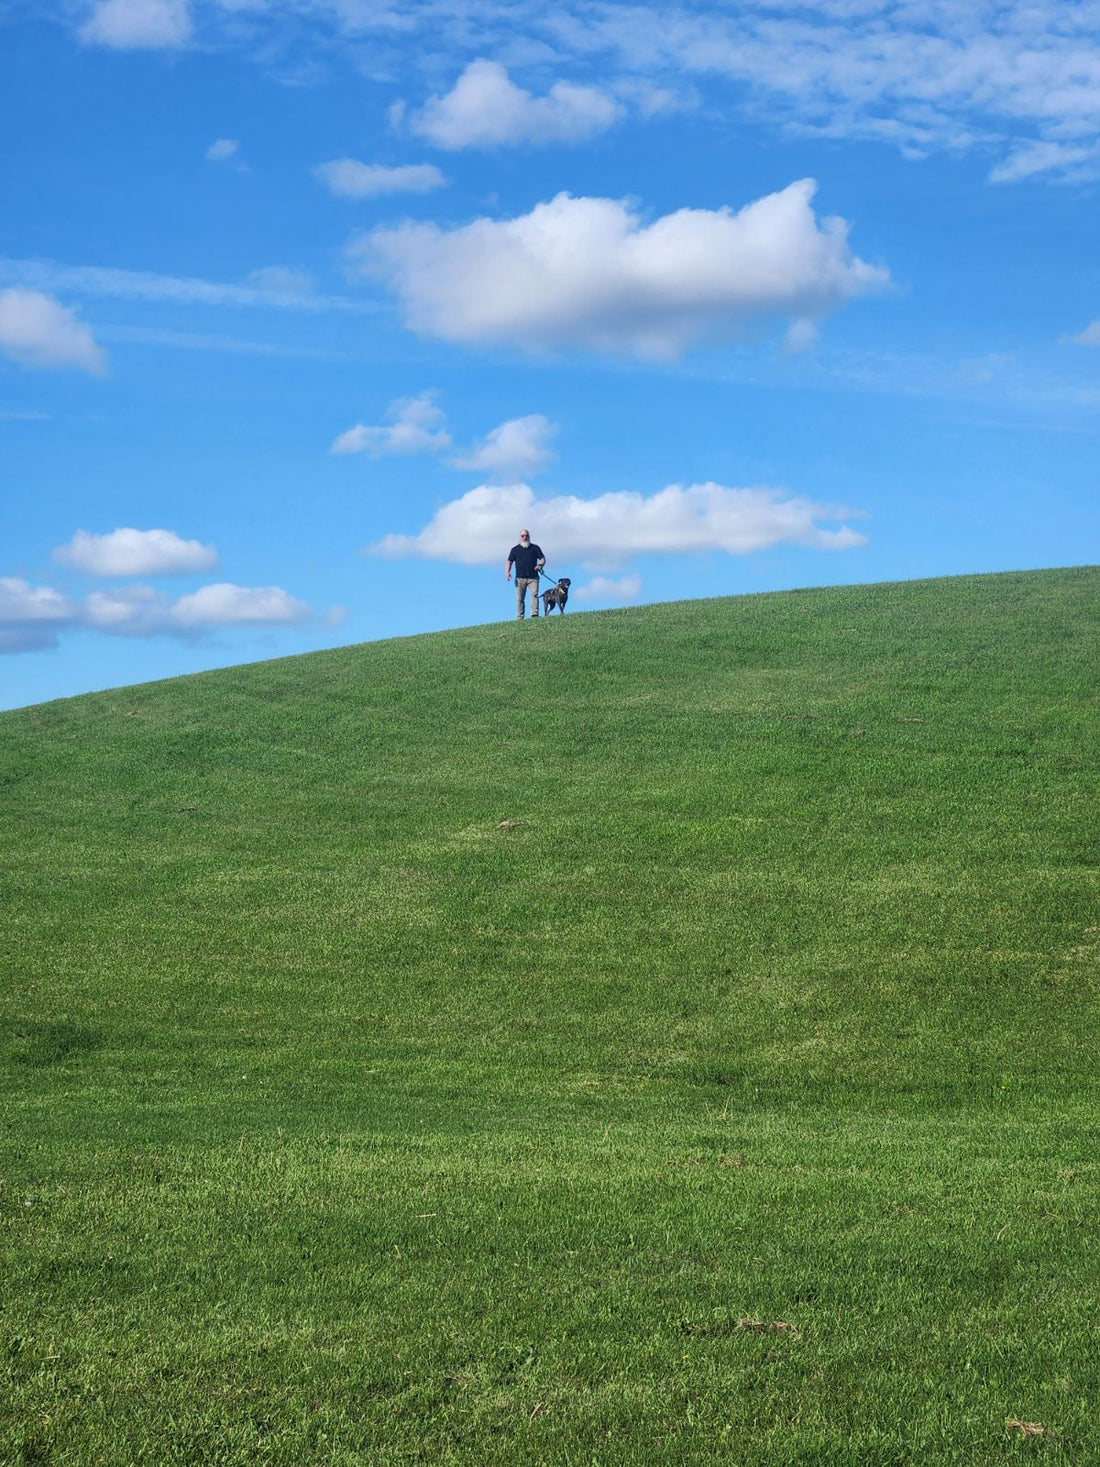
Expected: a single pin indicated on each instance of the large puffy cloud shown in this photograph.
(38, 331)
(514, 450)
(485, 109)
(416, 426)
(612, 528)
(354, 180)
(587, 272)
(129, 552)
(138, 24)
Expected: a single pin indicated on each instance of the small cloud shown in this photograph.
(485, 109)
(223, 150)
(517, 449)
(129, 552)
(37, 331)
(138, 24)
(351, 179)
(654, 101)
(281, 280)
(336, 616)
(224, 605)
(128, 611)
(1089, 337)
(800, 336)
(31, 616)
(617, 591)
(991, 367)
(415, 427)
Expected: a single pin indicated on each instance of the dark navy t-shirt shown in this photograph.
(526, 558)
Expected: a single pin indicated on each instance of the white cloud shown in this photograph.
(613, 528)
(128, 611)
(283, 291)
(618, 591)
(281, 280)
(920, 76)
(415, 427)
(354, 180)
(141, 611)
(228, 605)
(517, 449)
(222, 150)
(587, 272)
(139, 24)
(129, 552)
(485, 109)
(31, 616)
(1036, 158)
(1089, 337)
(38, 331)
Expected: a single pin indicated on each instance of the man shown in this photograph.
(528, 560)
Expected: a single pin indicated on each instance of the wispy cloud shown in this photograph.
(96, 280)
(350, 179)
(1089, 337)
(127, 25)
(1017, 82)
(415, 426)
(611, 529)
(588, 273)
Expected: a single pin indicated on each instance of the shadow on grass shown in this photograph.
(40, 1044)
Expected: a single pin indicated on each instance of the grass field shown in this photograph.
(649, 1037)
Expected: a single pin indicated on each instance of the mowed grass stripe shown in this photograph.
(652, 1036)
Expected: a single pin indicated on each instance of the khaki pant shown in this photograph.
(522, 583)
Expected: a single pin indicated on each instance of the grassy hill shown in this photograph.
(653, 1036)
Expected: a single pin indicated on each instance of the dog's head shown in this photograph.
(564, 583)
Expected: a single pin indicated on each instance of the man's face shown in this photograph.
(524, 536)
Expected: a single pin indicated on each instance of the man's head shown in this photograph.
(524, 535)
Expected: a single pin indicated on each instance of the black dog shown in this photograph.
(557, 596)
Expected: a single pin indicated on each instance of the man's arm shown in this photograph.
(508, 569)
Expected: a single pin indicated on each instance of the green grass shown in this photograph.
(736, 1103)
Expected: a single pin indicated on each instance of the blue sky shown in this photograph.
(307, 306)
